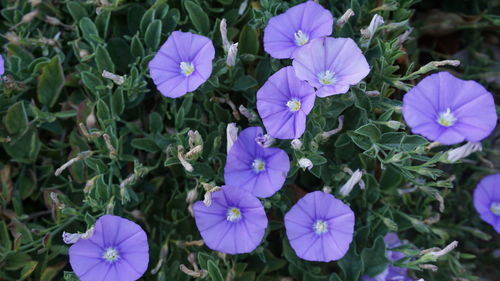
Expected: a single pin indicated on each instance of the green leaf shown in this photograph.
(76, 10)
(117, 103)
(16, 261)
(103, 60)
(147, 19)
(146, 144)
(102, 22)
(351, 265)
(28, 269)
(198, 17)
(369, 130)
(412, 142)
(136, 48)
(91, 81)
(103, 114)
(374, 259)
(214, 272)
(50, 82)
(5, 242)
(153, 35)
(244, 83)
(51, 272)
(16, 119)
(89, 31)
(249, 41)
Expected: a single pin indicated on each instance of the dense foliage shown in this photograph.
(126, 142)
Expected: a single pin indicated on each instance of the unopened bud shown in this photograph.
(250, 115)
(232, 135)
(231, 55)
(464, 151)
(192, 195)
(296, 144)
(353, 180)
(343, 19)
(305, 163)
(194, 139)
(223, 32)
(117, 79)
(376, 21)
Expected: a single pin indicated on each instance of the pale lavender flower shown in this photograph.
(449, 110)
(259, 170)
(287, 33)
(182, 64)
(283, 103)
(117, 251)
(487, 200)
(234, 223)
(320, 227)
(331, 65)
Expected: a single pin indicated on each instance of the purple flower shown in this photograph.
(391, 273)
(287, 33)
(320, 227)
(117, 251)
(331, 65)
(487, 200)
(235, 222)
(2, 67)
(283, 104)
(449, 110)
(182, 64)
(256, 169)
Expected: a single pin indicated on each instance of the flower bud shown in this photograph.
(296, 144)
(223, 34)
(376, 21)
(353, 180)
(231, 55)
(343, 19)
(463, 151)
(305, 163)
(232, 135)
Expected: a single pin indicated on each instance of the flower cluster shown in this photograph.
(319, 226)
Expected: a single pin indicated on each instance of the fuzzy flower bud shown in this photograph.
(250, 115)
(223, 33)
(296, 144)
(232, 135)
(376, 21)
(353, 180)
(231, 55)
(192, 195)
(343, 19)
(305, 163)
(463, 151)
(243, 7)
(117, 79)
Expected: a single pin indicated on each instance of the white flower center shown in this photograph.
(111, 254)
(320, 227)
(293, 105)
(187, 68)
(233, 214)
(258, 165)
(495, 208)
(301, 38)
(327, 77)
(447, 118)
